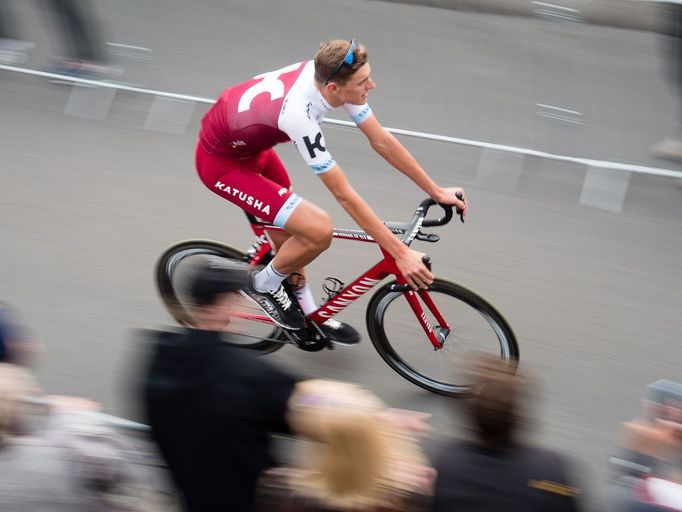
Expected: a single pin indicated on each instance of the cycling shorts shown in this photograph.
(258, 184)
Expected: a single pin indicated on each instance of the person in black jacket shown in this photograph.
(211, 405)
(496, 471)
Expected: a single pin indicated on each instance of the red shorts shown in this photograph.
(259, 185)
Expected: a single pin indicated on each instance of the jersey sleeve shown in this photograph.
(306, 135)
(358, 113)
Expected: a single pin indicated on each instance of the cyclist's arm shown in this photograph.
(408, 261)
(390, 148)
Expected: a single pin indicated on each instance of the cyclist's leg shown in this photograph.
(337, 331)
(308, 228)
(311, 233)
(297, 251)
(313, 238)
(246, 183)
(239, 181)
(274, 170)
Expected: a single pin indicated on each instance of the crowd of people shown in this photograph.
(213, 408)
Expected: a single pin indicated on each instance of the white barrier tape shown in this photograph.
(604, 164)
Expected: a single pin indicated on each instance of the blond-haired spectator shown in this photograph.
(356, 455)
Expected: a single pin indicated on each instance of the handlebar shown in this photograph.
(436, 222)
(412, 229)
(448, 212)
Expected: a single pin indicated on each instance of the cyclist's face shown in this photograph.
(357, 87)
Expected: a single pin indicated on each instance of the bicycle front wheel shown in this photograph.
(475, 327)
(248, 325)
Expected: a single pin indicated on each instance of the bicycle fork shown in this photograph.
(436, 335)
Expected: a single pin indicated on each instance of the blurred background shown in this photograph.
(582, 258)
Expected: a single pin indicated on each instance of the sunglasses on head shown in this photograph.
(349, 58)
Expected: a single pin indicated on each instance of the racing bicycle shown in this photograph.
(426, 336)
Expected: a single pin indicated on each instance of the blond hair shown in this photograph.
(331, 54)
(16, 384)
(355, 457)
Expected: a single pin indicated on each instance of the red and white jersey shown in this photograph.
(272, 108)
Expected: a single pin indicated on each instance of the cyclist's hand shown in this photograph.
(449, 196)
(412, 267)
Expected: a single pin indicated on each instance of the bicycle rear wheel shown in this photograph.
(475, 327)
(248, 326)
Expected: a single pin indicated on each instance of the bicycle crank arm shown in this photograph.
(309, 345)
(310, 339)
(242, 335)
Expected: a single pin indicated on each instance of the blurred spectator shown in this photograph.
(212, 405)
(83, 52)
(654, 494)
(655, 439)
(14, 346)
(13, 50)
(649, 467)
(73, 463)
(497, 471)
(361, 457)
(671, 147)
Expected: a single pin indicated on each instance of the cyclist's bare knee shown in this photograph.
(311, 225)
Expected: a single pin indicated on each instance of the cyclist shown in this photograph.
(236, 160)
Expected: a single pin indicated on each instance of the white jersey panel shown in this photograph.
(302, 113)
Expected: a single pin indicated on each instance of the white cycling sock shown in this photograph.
(267, 279)
(305, 299)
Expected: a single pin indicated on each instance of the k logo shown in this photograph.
(312, 146)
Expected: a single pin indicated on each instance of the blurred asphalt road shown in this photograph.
(631, 14)
(584, 264)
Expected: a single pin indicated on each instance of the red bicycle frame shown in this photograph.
(353, 291)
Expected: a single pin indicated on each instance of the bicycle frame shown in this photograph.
(361, 285)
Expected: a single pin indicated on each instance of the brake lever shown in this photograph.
(459, 211)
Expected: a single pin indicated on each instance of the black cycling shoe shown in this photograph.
(340, 333)
(277, 305)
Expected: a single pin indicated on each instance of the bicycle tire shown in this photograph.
(171, 295)
(394, 332)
